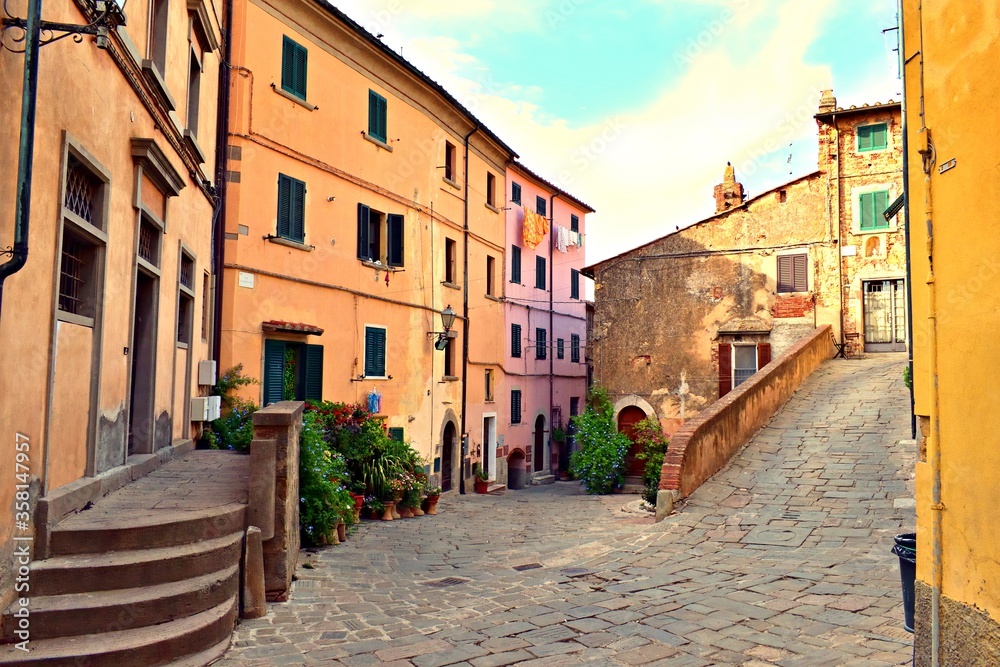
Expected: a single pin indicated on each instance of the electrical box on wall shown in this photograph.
(206, 373)
(206, 408)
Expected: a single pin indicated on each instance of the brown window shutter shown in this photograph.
(725, 369)
(785, 274)
(763, 355)
(801, 270)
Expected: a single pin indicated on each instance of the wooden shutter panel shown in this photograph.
(363, 212)
(288, 65)
(297, 211)
(372, 113)
(540, 343)
(540, 272)
(301, 57)
(383, 121)
(395, 240)
(881, 203)
(879, 136)
(313, 362)
(725, 369)
(763, 355)
(374, 352)
(786, 278)
(515, 264)
(515, 340)
(574, 284)
(284, 205)
(396, 433)
(274, 371)
(800, 273)
(515, 406)
(867, 203)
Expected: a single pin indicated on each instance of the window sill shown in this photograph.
(450, 182)
(491, 207)
(490, 400)
(378, 266)
(492, 298)
(451, 285)
(294, 98)
(72, 318)
(280, 240)
(879, 230)
(450, 378)
(152, 72)
(181, 345)
(377, 142)
(192, 143)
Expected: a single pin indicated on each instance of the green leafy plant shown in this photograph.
(324, 500)
(431, 491)
(600, 461)
(908, 376)
(479, 472)
(234, 429)
(289, 377)
(653, 446)
(558, 434)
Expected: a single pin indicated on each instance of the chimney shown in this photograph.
(729, 193)
(827, 103)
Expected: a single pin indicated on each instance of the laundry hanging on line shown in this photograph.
(535, 228)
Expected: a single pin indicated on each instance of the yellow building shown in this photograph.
(104, 326)
(953, 189)
(361, 201)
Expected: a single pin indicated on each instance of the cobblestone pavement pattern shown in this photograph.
(781, 559)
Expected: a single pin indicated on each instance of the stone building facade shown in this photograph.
(683, 319)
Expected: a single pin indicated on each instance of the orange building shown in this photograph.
(103, 328)
(361, 201)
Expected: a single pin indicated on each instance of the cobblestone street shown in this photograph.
(781, 559)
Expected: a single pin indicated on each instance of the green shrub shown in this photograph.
(653, 445)
(600, 461)
(324, 499)
(234, 429)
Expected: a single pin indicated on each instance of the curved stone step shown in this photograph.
(83, 573)
(100, 612)
(206, 657)
(101, 532)
(149, 646)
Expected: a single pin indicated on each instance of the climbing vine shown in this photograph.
(288, 390)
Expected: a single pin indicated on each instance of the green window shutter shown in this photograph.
(574, 284)
(574, 348)
(394, 224)
(377, 110)
(873, 137)
(301, 59)
(284, 206)
(515, 193)
(865, 138)
(274, 371)
(540, 272)
(515, 406)
(383, 120)
(881, 203)
(540, 205)
(374, 352)
(297, 230)
(574, 223)
(867, 203)
(560, 348)
(515, 264)
(287, 65)
(880, 137)
(313, 372)
(396, 433)
(515, 340)
(541, 344)
(363, 240)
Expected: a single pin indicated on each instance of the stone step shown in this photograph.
(88, 613)
(86, 573)
(99, 532)
(149, 646)
(537, 479)
(206, 657)
(496, 488)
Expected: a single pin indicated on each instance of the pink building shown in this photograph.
(545, 379)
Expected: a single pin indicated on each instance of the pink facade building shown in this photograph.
(545, 378)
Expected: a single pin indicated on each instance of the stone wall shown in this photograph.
(280, 423)
(706, 443)
(969, 637)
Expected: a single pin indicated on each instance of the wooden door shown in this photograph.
(627, 419)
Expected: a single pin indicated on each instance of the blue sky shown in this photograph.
(634, 106)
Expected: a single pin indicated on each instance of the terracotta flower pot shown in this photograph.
(416, 510)
(387, 514)
(482, 486)
(395, 509)
(359, 502)
(404, 512)
(342, 531)
(432, 502)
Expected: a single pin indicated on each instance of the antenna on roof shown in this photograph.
(789, 162)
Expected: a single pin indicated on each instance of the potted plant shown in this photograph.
(357, 489)
(376, 508)
(482, 483)
(433, 496)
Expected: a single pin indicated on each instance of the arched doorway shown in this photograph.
(448, 444)
(517, 472)
(538, 453)
(627, 419)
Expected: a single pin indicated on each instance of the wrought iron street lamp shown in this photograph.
(447, 320)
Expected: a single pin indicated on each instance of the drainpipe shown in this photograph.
(552, 327)
(26, 147)
(906, 227)
(840, 240)
(222, 163)
(465, 314)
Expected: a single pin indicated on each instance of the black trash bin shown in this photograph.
(906, 549)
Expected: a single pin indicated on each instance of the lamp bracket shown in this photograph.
(14, 30)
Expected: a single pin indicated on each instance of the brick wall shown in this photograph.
(792, 306)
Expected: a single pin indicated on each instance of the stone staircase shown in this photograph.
(150, 575)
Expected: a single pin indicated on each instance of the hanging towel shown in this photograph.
(535, 228)
(562, 238)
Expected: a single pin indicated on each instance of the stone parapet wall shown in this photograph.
(706, 443)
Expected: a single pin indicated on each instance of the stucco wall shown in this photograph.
(707, 442)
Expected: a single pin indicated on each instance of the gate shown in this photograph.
(885, 315)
